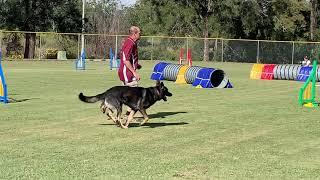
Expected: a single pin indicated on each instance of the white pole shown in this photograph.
(292, 56)
(258, 52)
(152, 48)
(82, 36)
(222, 50)
(116, 49)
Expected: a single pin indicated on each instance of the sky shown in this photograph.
(128, 2)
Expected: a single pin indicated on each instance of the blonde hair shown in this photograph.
(134, 30)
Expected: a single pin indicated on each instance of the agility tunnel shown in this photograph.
(3, 85)
(282, 72)
(304, 73)
(256, 71)
(200, 77)
(211, 78)
(191, 74)
(158, 69)
(267, 71)
(171, 71)
(286, 71)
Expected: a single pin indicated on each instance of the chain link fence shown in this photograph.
(48, 45)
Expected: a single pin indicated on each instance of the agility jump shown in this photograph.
(114, 61)
(188, 58)
(3, 85)
(81, 62)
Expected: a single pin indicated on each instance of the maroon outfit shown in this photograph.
(129, 52)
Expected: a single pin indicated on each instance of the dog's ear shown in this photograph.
(161, 84)
(158, 83)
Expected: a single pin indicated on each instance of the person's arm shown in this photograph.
(130, 67)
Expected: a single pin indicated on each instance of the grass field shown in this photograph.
(256, 130)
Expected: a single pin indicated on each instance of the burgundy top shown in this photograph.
(129, 52)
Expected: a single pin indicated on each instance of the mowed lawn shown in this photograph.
(256, 130)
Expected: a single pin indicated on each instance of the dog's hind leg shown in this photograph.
(109, 113)
(145, 116)
(103, 107)
(107, 109)
(118, 112)
(130, 118)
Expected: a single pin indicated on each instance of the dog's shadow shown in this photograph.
(164, 114)
(154, 125)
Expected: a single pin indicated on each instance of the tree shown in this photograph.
(313, 18)
(289, 20)
(38, 15)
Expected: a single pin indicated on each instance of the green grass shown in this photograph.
(256, 130)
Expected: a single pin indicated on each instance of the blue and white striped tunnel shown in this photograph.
(191, 74)
(157, 73)
(171, 71)
(286, 71)
(212, 78)
(304, 73)
(195, 75)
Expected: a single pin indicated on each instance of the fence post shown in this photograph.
(40, 49)
(292, 57)
(258, 51)
(1, 41)
(187, 43)
(78, 46)
(215, 50)
(116, 48)
(222, 50)
(152, 48)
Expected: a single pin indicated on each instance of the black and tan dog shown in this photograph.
(137, 98)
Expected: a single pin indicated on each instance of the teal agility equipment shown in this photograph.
(307, 93)
(81, 62)
(3, 85)
(114, 61)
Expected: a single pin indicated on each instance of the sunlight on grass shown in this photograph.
(256, 130)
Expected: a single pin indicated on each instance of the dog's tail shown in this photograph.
(90, 99)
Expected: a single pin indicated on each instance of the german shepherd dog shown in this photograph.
(137, 98)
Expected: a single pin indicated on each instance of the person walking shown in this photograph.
(129, 64)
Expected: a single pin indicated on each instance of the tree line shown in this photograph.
(240, 19)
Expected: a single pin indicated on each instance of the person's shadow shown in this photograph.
(156, 124)
(11, 100)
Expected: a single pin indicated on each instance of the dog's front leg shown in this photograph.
(145, 116)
